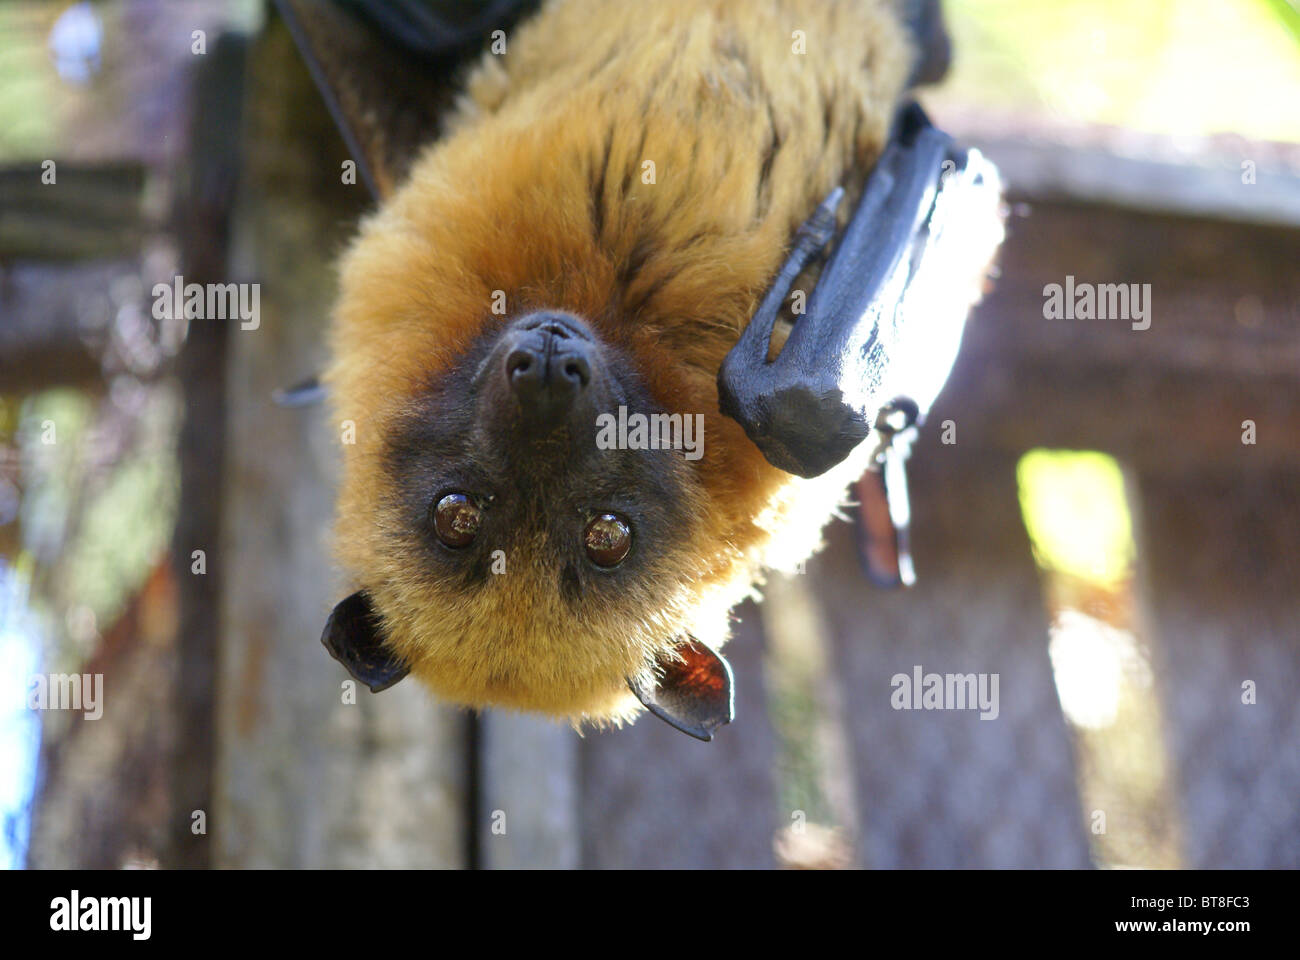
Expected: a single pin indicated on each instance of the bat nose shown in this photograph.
(542, 369)
(548, 365)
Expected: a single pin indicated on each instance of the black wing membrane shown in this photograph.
(385, 69)
(885, 319)
(924, 21)
(440, 28)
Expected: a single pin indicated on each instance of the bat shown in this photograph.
(647, 286)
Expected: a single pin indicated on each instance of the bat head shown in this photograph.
(524, 553)
(535, 501)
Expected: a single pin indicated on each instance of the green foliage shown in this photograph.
(1175, 67)
(1077, 515)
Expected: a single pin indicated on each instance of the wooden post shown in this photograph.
(304, 778)
(528, 793)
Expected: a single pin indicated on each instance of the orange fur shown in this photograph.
(537, 191)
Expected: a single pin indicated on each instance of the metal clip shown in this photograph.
(884, 510)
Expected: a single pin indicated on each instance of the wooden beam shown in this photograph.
(203, 212)
(1241, 186)
(88, 212)
(528, 810)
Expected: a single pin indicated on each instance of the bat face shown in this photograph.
(526, 547)
(516, 547)
(580, 254)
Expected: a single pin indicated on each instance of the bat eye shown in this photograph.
(608, 539)
(456, 519)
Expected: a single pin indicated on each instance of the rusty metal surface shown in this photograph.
(946, 788)
(1225, 564)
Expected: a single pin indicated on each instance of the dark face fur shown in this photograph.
(524, 551)
(505, 448)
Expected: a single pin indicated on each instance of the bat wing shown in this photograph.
(884, 323)
(924, 20)
(384, 69)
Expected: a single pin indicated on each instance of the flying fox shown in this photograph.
(680, 214)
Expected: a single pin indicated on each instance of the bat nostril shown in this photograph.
(577, 371)
(519, 362)
(547, 374)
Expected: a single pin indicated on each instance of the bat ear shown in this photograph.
(354, 637)
(694, 693)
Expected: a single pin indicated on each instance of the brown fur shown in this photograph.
(537, 191)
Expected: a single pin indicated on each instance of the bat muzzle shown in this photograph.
(547, 361)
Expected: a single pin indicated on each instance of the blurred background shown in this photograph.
(1114, 533)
